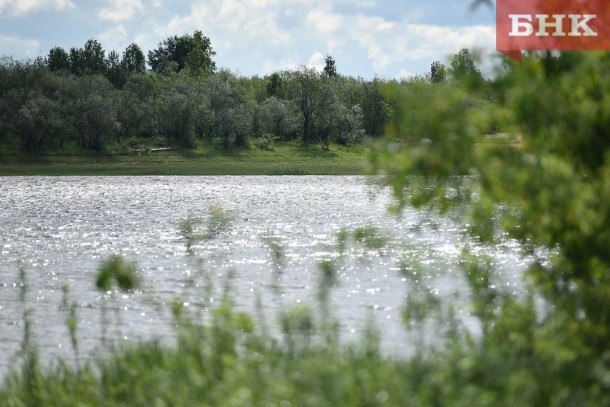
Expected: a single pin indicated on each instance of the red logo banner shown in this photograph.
(549, 25)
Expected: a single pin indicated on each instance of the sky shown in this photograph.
(389, 39)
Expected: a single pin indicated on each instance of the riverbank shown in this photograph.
(284, 159)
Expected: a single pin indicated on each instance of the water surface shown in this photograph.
(61, 228)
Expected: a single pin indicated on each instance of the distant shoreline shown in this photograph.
(286, 159)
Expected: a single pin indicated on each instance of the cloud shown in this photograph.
(324, 23)
(121, 10)
(114, 38)
(236, 23)
(398, 43)
(365, 37)
(13, 46)
(23, 7)
(250, 34)
(317, 61)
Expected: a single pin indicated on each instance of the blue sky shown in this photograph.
(367, 38)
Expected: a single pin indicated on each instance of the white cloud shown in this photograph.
(325, 23)
(393, 43)
(237, 23)
(18, 46)
(114, 38)
(249, 35)
(405, 74)
(366, 37)
(23, 7)
(316, 61)
(121, 10)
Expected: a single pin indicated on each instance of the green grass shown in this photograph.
(285, 159)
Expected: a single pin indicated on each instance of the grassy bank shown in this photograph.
(284, 159)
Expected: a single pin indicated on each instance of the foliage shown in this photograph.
(266, 142)
(278, 118)
(176, 114)
(462, 67)
(133, 59)
(376, 111)
(94, 113)
(548, 191)
(48, 103)
(438, 72)
(349, 125)
(232, 115)
(330, 68)
(58, 60)
(175, 54)
(117, 270)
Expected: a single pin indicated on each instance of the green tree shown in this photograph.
(93, 58)
(349, 125)
(314, 97)
(462, 67)
(546, 187)
(58, 60)
(277, 118)
(330, 68)
(376, 111)
(38, 123)
(232, 117)
(438, 72)
(133, 59)
(177, 53)
(20, 82)
(176, 114)
(76, 61)
(275, 86)
(94, 112)
(88, 60)
(115, 70)
(137, 113)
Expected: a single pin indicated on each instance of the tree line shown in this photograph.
(92, 99)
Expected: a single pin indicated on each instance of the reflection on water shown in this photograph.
(61, 228)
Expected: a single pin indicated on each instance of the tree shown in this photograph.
(276, 117)
(312, 96)
(94, 112)
(546, 188)
(137, 113)
(232, 118)
(115, 70)
(93, 58)
(275, 86)
(349, 123)
(76, 61)
(37, 122)
(20, 82)
(58, 60)
(438, 72)
(89, 60)
(176, 114)
(330, 70)
(133, 59)
(463, 67)
(177, 53)
(375, 109)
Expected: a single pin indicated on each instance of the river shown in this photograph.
(60, 229)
